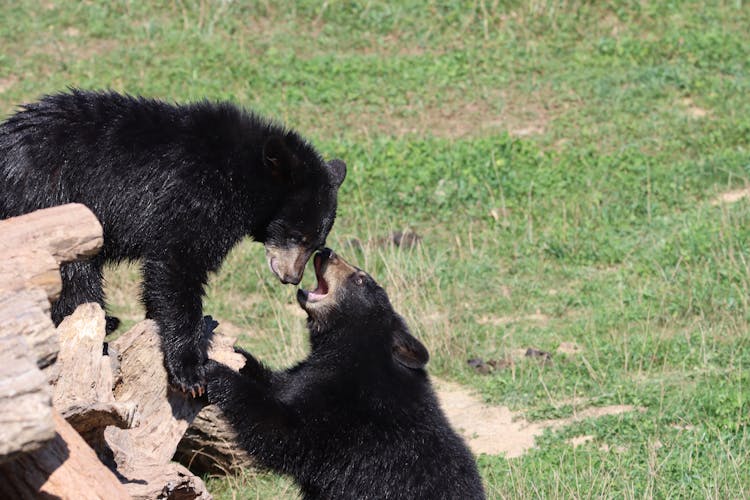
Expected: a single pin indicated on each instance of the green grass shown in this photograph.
(558, 158)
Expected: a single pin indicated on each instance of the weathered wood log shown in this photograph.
(25, 400)
(67, 233)
(31, 249)
(64, 468)
(209, 444)
(142, 455)
(136, 428)
(31, 269)
(33, 246)
(83, 378)
(27, 314)
(134, 431)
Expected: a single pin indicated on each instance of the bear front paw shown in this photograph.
(188, 377)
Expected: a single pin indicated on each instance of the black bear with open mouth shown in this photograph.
(358, 418)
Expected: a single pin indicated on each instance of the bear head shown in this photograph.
(347, 307)
(306, 210)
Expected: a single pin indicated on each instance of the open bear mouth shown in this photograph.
(320, 262)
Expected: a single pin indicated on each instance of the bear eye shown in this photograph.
(360, 280)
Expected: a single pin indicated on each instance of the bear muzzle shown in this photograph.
(288, 264)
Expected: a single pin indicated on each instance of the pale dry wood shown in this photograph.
(168, 481)
(43, 457)
(85, 374)
(26, 314)
(64, 468)
(25, 400)
(83, 377)
(165, 414)
(67, 233)
(24, 269)
(32, 247)
(210, 444)
(137, 445)
(142, 455)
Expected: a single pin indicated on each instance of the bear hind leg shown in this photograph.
(81, 283)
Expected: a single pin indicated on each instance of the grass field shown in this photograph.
(576, 171)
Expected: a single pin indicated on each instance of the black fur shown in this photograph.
(176, 186)
(358, 418)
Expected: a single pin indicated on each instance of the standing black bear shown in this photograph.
(358, 418)
(175, 186)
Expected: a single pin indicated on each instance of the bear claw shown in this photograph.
(195, 390)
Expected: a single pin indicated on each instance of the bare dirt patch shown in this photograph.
(496, 430)
(521, 114)
(692, 110)
(733, 196)
(71, 46)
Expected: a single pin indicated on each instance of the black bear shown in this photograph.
(175, 186)
(356, 419)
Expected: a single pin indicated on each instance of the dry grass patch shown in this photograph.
(537, 317)
(692, 110)
(733, 196)
(7, 82)
(519, 112)
(496, 430)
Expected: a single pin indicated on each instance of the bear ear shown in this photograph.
(278, 159)
(409, 351)
(337, 169)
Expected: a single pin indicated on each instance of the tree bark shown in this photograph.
(41, 456)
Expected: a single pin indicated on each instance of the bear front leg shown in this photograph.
(264, 424)
(172, 294)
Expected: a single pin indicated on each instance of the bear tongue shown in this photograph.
(321, 288)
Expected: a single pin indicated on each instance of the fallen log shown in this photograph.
(32, 247)
(64, 467)
(84, 376)
(142, 455)
(41, 456)
(25, 401)
(100, 420)
(122, 405)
